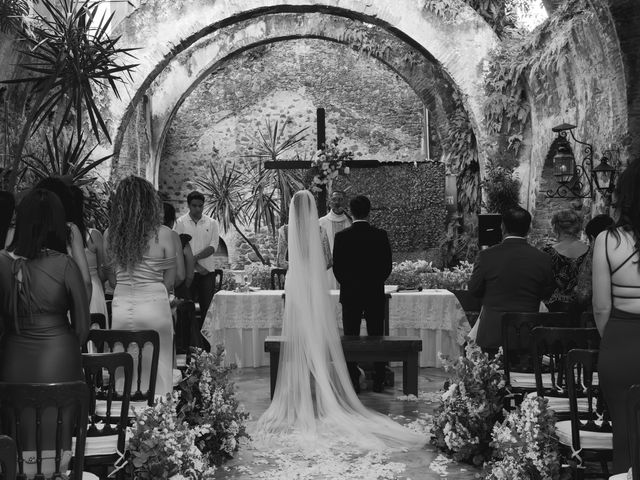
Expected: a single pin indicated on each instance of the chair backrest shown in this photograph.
(587, 320)
(580, 367)
(8, 457)
(633, 416)
(107, 341)
(98, 320)
(553, 344)
(277, 278)
(516, 337)
(42, 418)
(217, 280)
(95, 366)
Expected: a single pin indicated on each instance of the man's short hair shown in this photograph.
(516, 221)
(360, 207)
(195, 195)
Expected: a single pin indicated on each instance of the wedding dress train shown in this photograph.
(314, 403)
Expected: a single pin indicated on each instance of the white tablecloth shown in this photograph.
(242, 321)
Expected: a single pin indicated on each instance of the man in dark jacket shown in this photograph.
(361, 264)
(512, 276)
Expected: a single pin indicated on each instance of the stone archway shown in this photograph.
(175, 83)
(162, 29)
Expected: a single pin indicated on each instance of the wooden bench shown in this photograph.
(365, 349)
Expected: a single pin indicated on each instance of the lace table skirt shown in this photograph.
(242, 321)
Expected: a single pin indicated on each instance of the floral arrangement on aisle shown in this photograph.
(191, 431)
(420, 273)
(208, 398)
(471, 404)
(163, 446)
(525, 444)
(329, 162)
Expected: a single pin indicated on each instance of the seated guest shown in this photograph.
(512, 276)
(44, 309)
(582, 290)
(616, 309)
(567, 255)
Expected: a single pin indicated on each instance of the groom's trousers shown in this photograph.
(373, 311)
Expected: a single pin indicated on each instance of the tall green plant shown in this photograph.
(227, 199)
(272, 143)
(502, 188)
(67, 53)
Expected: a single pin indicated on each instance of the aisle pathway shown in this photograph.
(253, 392)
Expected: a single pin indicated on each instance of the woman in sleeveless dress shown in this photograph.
(314, 403)
(616, 309)
(141, 255)
(44, 309)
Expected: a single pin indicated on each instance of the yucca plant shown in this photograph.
(65, 160)
(272, 143)
(11, 14)
(225, 189)
(67, 54)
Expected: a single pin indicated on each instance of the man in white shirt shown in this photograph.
(204, 233)
(333, 222)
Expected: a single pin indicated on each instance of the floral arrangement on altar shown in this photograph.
(525, 444)
(420, 273)
(471, 404)
(189, 432)
(329, 162)
(208, 398)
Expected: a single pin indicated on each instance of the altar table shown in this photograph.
(242, 321)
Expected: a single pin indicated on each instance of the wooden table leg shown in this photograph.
(410, 374)
(274, 360)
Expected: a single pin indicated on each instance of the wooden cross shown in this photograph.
(321, 143)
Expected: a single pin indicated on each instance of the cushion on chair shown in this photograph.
(101, 407)
(181, 360)
(561, 404)
(528, 380)
(85, 475)
(106, 445)
(590, 440)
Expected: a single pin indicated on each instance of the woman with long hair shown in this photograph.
(616, 308)
(140, 252)
(44, 310)
(314, 403)
(76, 230)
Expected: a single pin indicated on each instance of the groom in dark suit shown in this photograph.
(512, 276)
(361, 264)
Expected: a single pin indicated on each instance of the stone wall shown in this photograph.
(370, 108)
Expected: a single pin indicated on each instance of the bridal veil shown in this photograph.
(314, 399)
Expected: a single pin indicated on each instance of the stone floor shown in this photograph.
(253, 392)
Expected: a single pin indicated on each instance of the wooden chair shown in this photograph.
(185, 321)
(98, 320)
(516, 344)
(278, 276)
(8, 458)
(106, 433)
(106, 341)
(587, 320)
(550, 346)
(24, 406)
(587, 436)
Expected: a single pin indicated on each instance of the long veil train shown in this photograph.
(314, 398)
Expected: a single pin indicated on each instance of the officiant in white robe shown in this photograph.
(333, 222)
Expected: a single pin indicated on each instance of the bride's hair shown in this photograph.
(134, 218)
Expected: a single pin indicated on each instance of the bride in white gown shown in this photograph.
(314, 401)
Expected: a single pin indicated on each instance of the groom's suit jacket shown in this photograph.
(361, 262)
(512, 276)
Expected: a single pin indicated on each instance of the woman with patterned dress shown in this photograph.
(140, 253)
(567, 256)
